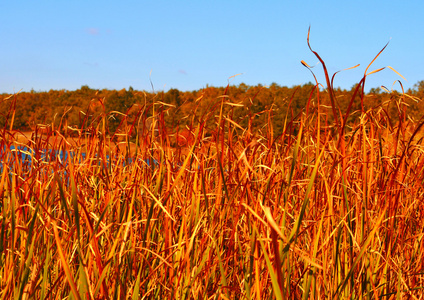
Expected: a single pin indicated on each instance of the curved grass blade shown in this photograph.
(65, 264)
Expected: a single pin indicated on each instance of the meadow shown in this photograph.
(325, 210)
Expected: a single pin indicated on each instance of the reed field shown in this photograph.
(326, 210)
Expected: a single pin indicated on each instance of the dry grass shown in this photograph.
(319, 212)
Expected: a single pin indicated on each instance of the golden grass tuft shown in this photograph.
(321, 211)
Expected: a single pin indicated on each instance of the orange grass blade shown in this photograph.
(396, 72)
(65, 264)
(278, 292)
(365, 73)
(363, 249)
(329, 86)
(159, 203)
(296, 226)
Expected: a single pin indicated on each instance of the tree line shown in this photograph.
(249, 106)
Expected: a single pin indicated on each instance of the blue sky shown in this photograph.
(190, 44)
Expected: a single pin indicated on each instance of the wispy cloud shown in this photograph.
(182, 72)
(94, 65)
(92, 31)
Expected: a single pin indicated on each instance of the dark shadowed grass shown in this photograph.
(321, 211)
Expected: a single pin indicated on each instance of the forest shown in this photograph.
(63, 109)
